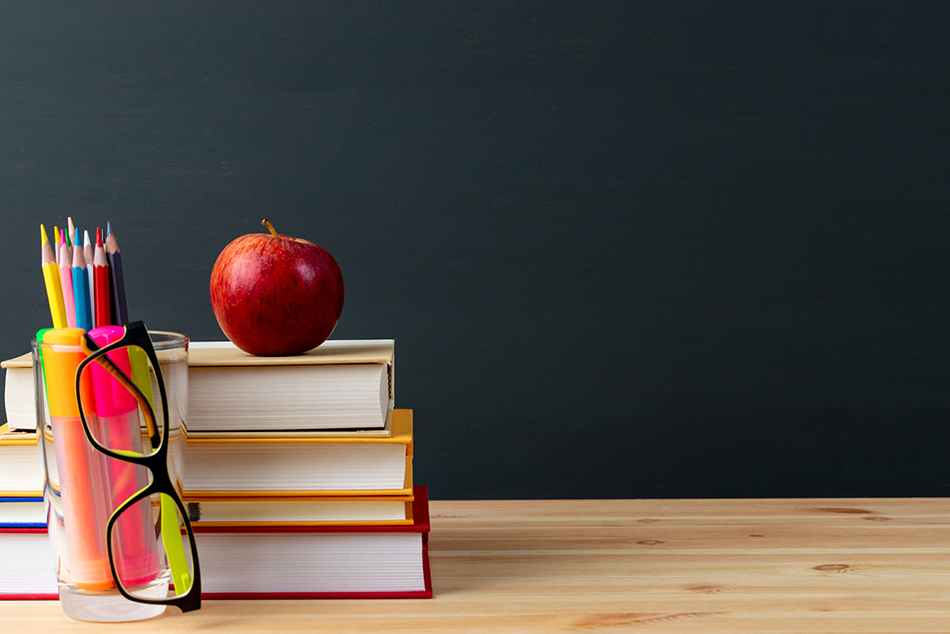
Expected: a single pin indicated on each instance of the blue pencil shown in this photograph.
(81, 287)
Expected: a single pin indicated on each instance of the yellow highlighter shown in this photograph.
(80, 466)
(171, 531)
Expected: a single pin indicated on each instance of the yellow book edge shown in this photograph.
(21, 494)
(12, 438)
(404, 493)
(403, 425)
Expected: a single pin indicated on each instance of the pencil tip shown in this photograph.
(108, 228)
(43, 238)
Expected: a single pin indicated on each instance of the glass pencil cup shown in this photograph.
(99, 538)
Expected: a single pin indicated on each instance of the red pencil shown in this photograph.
(101, 272)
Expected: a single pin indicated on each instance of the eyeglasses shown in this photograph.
(146, 503)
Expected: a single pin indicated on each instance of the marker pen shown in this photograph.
(79, 465)
(135, 555)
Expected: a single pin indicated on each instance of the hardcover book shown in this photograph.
(339, 385)
(318, 562)
(22, 512)
(248, 562)
(315, 465)
(21, 465)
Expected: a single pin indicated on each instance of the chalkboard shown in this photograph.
(665, 248)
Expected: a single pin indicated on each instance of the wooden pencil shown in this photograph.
(81, 287)
(100, 265)
(56, 244)
(117, 305)
(51, 276)
(88, 254)
(66, 280)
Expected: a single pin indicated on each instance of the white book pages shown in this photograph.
(293, 467)
(21, 468)
(346, 396)
(311, 562)
(26, 564)
(33, 512)
(19, 399)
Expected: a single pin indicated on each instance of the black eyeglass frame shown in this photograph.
(136, 334)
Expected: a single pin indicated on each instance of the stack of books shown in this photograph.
(297, 476)
(26, 558)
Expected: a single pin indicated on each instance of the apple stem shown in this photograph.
(269, 226)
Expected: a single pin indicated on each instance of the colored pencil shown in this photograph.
(66, 280)
(81, 287)
(88, 254)
(117, 306)
(101, 269)
(120, 315)
(51, 276)
(56, 244)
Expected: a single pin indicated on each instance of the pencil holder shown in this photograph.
(110, 543)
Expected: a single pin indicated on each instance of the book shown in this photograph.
(318, 561)
(341, 384)
(338, 385)
(26, 565)
(297, 511)
(22, 512)
(315, 465)
(21, 464)
(245, 562)
(19, 399)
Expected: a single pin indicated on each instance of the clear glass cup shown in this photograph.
(84, 486)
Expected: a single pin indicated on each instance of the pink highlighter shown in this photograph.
(134, 543)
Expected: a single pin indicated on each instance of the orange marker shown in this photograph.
(81, 468)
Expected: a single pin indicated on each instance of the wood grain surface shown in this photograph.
(795, 565)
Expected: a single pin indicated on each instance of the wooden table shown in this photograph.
(815, 565)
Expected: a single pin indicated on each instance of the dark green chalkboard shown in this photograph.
(626, 249)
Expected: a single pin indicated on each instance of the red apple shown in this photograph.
(276, 295)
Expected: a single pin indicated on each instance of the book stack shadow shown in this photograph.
(296, 473)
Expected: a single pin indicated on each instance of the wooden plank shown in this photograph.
(653, 565)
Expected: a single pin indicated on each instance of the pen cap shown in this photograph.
(61, 357)
(112, 398)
